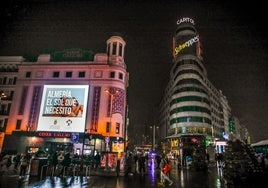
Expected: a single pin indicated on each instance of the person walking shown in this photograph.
(164, 174)
(97, 160)
(129, 163)
(142, 164)
(163, 162)
(24, 163)
(65, 163)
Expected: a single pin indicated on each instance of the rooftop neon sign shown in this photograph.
(186, 44)
(187, 20)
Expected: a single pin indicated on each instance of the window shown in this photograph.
(108, 50)
(120, 49)
(18, 124)
(107, 127)
(112, 74)
(114, 48)
(82, 74)
(4, 81)
(56, 74)
(120, 76)
(10, 81)
(22, 100)
(28, 74)
(68, 74)
(117, 129)
(1, 124)
(14, 80)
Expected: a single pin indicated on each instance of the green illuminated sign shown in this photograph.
(72, 55)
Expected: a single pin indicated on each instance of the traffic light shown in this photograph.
(231, 125)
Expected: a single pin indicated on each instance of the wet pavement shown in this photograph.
(184, 178)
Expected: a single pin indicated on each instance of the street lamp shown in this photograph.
(153, 144)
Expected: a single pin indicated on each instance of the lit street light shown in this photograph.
(153, 144)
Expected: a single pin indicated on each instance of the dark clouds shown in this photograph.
(233, 38)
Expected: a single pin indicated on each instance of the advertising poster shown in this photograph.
(63, 108)
(112, 160)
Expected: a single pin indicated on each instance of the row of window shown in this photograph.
(108, 127)
(185, 62)
(193, 130)
(8, 81)
(190, 109)
(9, 69)
(187, 89)
(188, 81)
(189, 98)
(190, 119)
(114, 48)
(81, 74)
(187, 71)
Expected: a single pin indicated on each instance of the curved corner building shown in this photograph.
(191, 105)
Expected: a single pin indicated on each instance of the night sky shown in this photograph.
(233, 38)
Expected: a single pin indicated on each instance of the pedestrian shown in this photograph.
(118, 167)
(164, 174)
(9, 161)
(17, 161)
(54, 160)
(161, 166)
(129, 163)
(66, 163)
(97, 160)
(136, 161)
(158, 160)
(208, 157)
(142, 164)
(24, 163)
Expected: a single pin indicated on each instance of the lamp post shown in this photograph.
(153, 144)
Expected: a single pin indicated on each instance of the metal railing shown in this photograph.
(59, 170)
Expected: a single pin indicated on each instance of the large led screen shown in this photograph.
(63, 108)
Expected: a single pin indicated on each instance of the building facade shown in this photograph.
(191, 104)
(71, 100)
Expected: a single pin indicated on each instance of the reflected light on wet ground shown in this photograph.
(74, 181)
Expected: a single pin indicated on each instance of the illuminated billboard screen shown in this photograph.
(63, 108)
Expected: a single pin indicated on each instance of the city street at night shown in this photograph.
(186, 178)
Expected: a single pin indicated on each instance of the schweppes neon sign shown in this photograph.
(185, 45)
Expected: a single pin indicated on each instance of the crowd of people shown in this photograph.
(15, 164)
(139, 164)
